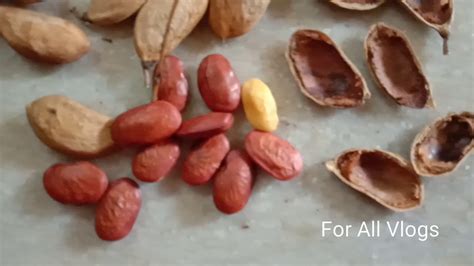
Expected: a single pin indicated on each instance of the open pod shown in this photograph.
(438, 14)
(323, 72)
(360, 5)
(442, 146)
(380, 175)
(396, 68)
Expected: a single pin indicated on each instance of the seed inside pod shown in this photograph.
(437, 14)
(396, 68)
(323, 72)
(358, 4)
(382, 176)
(442, 146)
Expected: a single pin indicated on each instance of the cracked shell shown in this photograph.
(359, 5)
(380, 175)
(323, 72)
(442, 146)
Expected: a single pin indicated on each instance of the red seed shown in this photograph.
(146, 124)
(172, 85)
(206, 126)
(118, 209)
(203, 162)
(275, 155)
(233, 183)
(155, 162)
(75, 183)
(218, 84)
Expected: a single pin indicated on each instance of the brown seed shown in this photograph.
(274, 155)
(42, 37)
(26, 2)
(232, 18)
(69, 127)
(171, 84)
(205, 126)
(358, 4)
(380, 175)
(203, 162)
(396, 68)
(438, 14)
(323, 72)
(155, 162)
(108, 12)
(442, 146)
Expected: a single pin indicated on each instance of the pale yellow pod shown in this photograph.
(259, 105)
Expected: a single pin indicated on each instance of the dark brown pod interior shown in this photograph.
(323, 72)
(442, 146)
(382, 176)
(396, 68)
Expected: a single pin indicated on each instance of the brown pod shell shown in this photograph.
(171, 84)
(383, 176)
(204, 161)
(155, 162)
(218, 84)
(205, 126)
(396, 68)
(232, 18)
(274, 155)
(437, 14)
(26, 2)
(323, 72)
(118, 209)
(69, 127)
(42, 37)
(442, 146)
(161, 25)
(360, 5)
(233, 183)
(109, 12)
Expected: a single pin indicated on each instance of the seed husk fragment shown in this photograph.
(42, 37)
(70, 127)
(437, 14)
(360, 5)
(442, 146)
(232, 18)
(396, 68)
(323, 72)
(109, 12)
(380, 175)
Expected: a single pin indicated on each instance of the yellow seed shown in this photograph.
(259, 105)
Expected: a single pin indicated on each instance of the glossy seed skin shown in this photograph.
(205, 126)
(155, 162)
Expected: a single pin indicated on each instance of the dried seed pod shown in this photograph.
(323, 72)
(442, 146)
(26, 2)
(395, 67)
(358, 4)
(108, 12)
(438, 14)
(380, 175)
(69, 127)
(232, 18)
(41, 37)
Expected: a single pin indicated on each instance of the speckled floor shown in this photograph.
(282, 223)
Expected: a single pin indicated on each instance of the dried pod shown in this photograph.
(162, 24)
(380, 175)
(26, 2)
(358, 4)
(438, 14)
(442, 146)
(396, 68)
(69, 127)
(41, 37)
(108, 12)
(232, 18)
(323, 72)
